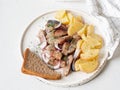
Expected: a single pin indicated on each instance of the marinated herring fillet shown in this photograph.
(33, 65)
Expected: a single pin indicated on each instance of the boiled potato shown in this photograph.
(83, 36)
(95, 41)
(79, 44)
(90, 32)
(83, 30)
(60, 14)
(70, 17)
(79, 18)
(65, 20)
(90, 29)
(90, 43)
(74, 27)
(89, 66)
(90, 54)
(97, 37)
(85, 46)
(77, 64)
(86, 66)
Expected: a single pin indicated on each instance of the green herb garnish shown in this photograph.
(50, 24)
(65, 58)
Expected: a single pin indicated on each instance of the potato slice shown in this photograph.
(90, 54)
(70, 17)
(74, 27)
(90, 66)
(83, 30)
(90, 43)
(86, 66)
(77, 64)
(90, 30)
(79, 18)
(95, 41)
(79, 43)
(65, 20)
(85, 46)
(60, 14)
(97, 37)
(83, 36)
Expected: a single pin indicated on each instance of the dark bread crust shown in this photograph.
(33, 65)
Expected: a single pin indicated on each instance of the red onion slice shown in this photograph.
(42, 39)
(43, 45)
(57, 46)
(45, 59)
(55, 67)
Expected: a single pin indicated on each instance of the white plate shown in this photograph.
(29, 39)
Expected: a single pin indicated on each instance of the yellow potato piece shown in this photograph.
(70, 17)
(86, 66)
(79, 18)
(79, 43)
(74, 27)
(90, 32)
(65, 20)
(83, 30)
(89, 66)
(85, 46)
(77, 64)
(95, 41)
(90, 29)
(60, 14)
(97, 37)
(83, 36)
(90, 54)
(90, 43)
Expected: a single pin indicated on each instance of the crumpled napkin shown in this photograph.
(109, 9)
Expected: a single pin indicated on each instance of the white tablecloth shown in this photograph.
(15, 15)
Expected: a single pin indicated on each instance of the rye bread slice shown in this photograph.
(33, 65)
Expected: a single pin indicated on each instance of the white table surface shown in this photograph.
(15, 15)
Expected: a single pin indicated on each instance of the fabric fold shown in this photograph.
(109, 9)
